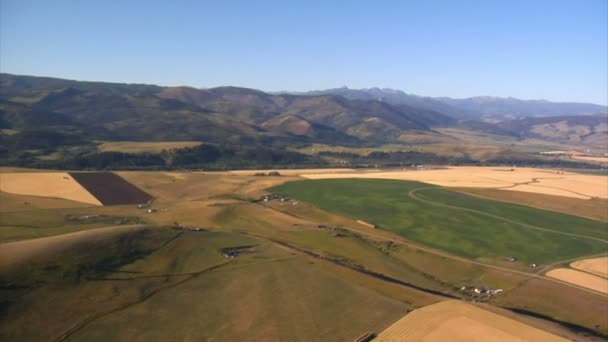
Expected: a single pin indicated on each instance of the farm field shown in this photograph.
(531, 180)
(51, 184)
(594, 208)
(97, 188)
(454, 222)
(111, 189)
(597, 266)
(306, 273)
(580, 278)
(461, 322)
(144, 147)
(13, 202)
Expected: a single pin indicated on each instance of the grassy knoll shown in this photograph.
(180, 287)
(386, 203)
(37, 223)
(408, 264)
(263, 301)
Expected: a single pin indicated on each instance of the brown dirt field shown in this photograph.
(110, 189)
(141, 147)
(580, 278)
(597, 266)
(445, 321)
(13, 254)
(48, 184)
(594, 208)
(531, 180)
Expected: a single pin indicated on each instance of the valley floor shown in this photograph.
(213, 260)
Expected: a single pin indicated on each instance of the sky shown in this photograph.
(555, 50)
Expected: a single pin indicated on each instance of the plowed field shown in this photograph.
(111, 189)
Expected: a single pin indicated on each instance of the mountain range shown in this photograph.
(342, 116)
(489, 108)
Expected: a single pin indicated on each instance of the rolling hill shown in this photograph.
(137, 112)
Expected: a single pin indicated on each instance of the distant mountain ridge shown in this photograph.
(480, 107)
(112, 111)
(233, 115)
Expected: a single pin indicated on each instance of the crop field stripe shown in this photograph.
(412, 194)
(111, 189)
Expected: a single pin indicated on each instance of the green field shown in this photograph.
(447, 220)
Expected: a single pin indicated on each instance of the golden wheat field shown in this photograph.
(460, 322)
(587, 280)
(597, 266)
(47, 184)
(531, 180)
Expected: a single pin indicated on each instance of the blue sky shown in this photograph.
(555, 50)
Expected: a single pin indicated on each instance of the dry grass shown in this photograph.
(142, 147)
(14, 254)
(594, 208)
(12, 202)
(51, 184)
(531, 180)
(580, 278)
(597, 266)
(458, 321)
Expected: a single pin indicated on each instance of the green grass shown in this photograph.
(473, 235)
(519, 213)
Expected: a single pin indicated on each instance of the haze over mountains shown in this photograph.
(342, 116)
(479, 107)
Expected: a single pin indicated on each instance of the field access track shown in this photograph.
(111, 189)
